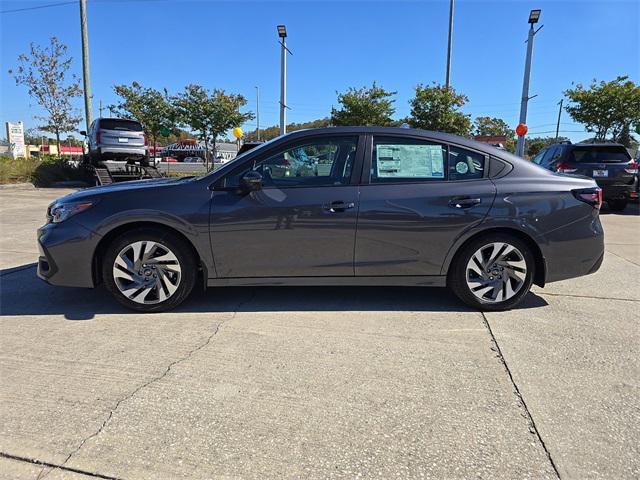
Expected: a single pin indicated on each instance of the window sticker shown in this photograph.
(462, 168)
(410, 161)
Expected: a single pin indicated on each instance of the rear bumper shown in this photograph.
(66, 254)
(575, 250)
(122, 151)
(614, 192)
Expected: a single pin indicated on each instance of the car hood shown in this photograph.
(97, 192)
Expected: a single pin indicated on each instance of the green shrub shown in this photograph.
(52, 170)
(42, 172)
(17, 170)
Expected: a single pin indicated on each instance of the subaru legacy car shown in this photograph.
(116, 139)
(609, 164)
(390, 206)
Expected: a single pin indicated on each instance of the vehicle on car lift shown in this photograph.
(118, 151)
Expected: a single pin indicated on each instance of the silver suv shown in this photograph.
(116, 139)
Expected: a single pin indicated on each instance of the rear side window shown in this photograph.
(613, 154)
(407, 160)
(120, 124)
(465, 164)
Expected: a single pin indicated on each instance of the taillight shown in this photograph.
(632, 167)
(592, 196)
(564, 168)
(146, 142)
(98, 137)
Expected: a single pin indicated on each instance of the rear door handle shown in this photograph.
(339, 206)
(464, 202)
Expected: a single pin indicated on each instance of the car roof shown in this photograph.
(411, 132)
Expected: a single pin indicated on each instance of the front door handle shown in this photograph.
(339, 206)
(464, 202)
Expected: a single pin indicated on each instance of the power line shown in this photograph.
(38, 7)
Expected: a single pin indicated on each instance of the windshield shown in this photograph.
(613, 154)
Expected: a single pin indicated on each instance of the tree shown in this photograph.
(210, 115)
(150, 107)
(535, 144)
(274, 131)
(44, 73)
(367, 106)
(492, 126)
(605, 108)
(437, 108)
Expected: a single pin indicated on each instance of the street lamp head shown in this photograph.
(282, 31)
(534, 16)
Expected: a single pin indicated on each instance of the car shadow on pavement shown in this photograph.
(22, 293)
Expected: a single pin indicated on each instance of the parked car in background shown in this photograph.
(193, 160)
(609, 164)
(431, 209)
(116, 139)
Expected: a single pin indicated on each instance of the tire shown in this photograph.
(166, 279)
(512, 283)
(617, 205)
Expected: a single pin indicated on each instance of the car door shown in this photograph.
(417, 197)
(301, 222)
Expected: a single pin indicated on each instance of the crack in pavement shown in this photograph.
(532, 424)
(189, 354)
(53, 466)
(623, 258)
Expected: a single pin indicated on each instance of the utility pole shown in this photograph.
(100, 108)
(85, 63)
(559, 114)
(282, 33)
(534, 16)
(258, 111)
(448, 75)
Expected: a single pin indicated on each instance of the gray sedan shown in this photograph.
(333, 206)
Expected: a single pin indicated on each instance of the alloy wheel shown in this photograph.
(496, 272)
(147, 272)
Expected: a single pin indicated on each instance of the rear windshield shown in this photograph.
(119, 124)
(599, 154)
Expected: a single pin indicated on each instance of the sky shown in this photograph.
(335, 45)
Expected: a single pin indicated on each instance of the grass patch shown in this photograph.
(41, 172)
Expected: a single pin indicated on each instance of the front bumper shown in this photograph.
(66, 254)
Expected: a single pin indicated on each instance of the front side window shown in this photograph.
(465, 164)
(407, 160)
(320, 162)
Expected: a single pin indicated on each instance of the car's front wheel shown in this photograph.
(493, 272)
(149, 270)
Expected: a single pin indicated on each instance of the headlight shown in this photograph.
(59, 212)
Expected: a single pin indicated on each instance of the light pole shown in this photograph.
(85, 63)
(448, 76)
(258, 111)
(282, 33)
(534, 16)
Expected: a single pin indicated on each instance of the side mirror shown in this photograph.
(251, 181)
(83, 133)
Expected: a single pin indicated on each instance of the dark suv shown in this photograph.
(609, 164)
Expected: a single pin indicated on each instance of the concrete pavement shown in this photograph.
(318, 382)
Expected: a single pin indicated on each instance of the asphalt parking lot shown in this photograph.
(318, 382)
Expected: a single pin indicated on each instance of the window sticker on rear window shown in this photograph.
(410, 161)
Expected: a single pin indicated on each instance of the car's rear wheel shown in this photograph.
(617, 205)
(149, 270)
(493, 272)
